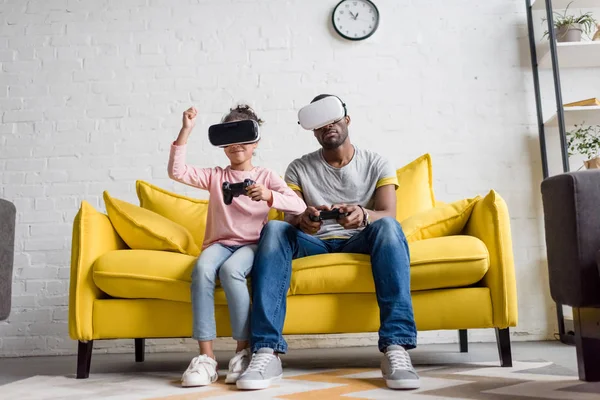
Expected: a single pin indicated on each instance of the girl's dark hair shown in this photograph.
(242, 111)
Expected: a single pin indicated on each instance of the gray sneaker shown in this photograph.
(397, 369)
(264, 368)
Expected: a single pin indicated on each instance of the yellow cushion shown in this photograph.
(147, 274)
(144, 229)
(186, 211)
(415, 188)
(446, 220)
(446, 262)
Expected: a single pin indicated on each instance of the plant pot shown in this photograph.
(594, 163)
(569, 33)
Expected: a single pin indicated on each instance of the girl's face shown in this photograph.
(240, 153)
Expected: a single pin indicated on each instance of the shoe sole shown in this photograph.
(232, 378)
(189, 385)
(404, 384)
(257, 384)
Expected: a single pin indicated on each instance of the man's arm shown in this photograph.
(385, 203)
(384, 206)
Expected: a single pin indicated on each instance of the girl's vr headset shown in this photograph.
(321, 113)
(236, 132)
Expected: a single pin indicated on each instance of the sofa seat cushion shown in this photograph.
(147, 274)
(446, 262)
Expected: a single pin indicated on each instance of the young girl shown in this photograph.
(232, 232)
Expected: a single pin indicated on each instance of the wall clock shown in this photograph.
(355, 19)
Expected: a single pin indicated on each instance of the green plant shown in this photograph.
(586, 21)
(584, 140)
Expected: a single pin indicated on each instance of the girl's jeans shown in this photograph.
(231, 264)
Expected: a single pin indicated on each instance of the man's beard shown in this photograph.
(332, 145)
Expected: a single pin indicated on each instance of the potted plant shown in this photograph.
(569, 28)
(585, 141)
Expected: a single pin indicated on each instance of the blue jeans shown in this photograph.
(281, 242)
(232, 264)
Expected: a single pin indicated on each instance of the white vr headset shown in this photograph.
(321, 113)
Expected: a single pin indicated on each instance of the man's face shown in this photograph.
(333, 135)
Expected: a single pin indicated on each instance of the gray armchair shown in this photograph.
(572, 223)
(7, 250)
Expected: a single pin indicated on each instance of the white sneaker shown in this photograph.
(202, 371)
(237, 365)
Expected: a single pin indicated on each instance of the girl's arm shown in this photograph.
(178, 170)
(283, 198)
(181, 172)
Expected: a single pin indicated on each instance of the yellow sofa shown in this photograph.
(460, 281)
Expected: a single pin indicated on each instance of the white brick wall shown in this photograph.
(91, 94)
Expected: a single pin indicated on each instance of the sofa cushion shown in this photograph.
(446, 262)
(415, 188)
(147, 274)
(442, 220)
(186, 211)
(146, 230)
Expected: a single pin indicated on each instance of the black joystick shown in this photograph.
(231, 190)
(326, 215)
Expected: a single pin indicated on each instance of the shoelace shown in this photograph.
(200, 363)
(259, 362)
(237, 360)
(399, 359)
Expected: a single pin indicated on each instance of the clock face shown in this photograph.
(355, 19)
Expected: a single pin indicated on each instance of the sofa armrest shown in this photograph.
(490, 222)
(572, 225)
(7, 251)
(93, 236)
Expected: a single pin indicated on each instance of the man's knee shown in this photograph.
(387, 223)
(388, 227)
(276, 231)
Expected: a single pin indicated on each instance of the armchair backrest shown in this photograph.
(8, 214)
(571, 204)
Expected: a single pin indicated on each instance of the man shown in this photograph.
(361, 184)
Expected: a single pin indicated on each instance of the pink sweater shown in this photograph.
(241, 222)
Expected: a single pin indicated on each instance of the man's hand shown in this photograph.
(306, 224)
(354, 218)
(258, 192)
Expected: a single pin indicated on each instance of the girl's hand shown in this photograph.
(189, 119)
(258, 192)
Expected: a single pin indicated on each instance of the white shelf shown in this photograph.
(576, 115)
(562, 4)
(571, 55)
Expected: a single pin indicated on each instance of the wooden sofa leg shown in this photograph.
(140, 345)
(84, 359)
(587, 343)
(503, 341)
(463, 340)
